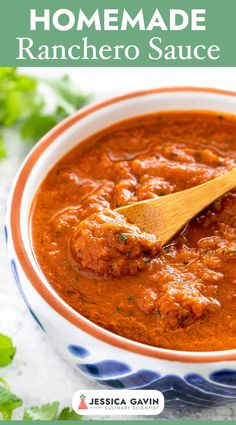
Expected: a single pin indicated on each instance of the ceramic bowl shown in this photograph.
(185, 378)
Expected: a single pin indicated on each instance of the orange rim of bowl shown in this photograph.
(61, 308)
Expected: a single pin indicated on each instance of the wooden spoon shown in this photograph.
(165, 216)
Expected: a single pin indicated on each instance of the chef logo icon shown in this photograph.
(82, 404)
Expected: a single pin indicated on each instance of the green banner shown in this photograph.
(131, 422)
(118, 33)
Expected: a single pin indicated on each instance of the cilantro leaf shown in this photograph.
(45, 412)
(68, 91)
(18, 106)
(11, 80)
(8, 401)
(7, 351)
(25, 83)
(36, 126)
(68, 414)
(18, 97)
(7, 70)
(23, 107)
(3, 155)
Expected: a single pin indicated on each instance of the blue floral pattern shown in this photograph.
(78, 351)
(191, 390)
(6, 233)
(107, 368)
(224, 376)
(140, 379)
(17, 279)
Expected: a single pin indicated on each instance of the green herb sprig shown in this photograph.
(10, 401)
(25, 108)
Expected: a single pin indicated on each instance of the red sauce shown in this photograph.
(182, 297)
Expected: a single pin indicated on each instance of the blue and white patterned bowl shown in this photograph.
(185, 378)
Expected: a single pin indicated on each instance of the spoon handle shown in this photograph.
(165, 216)
(181, 207)
(204, 194)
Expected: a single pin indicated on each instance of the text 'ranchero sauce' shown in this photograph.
(181, 297)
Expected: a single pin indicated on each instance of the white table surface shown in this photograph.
(38, 374)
